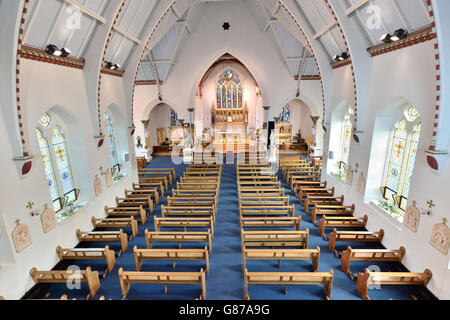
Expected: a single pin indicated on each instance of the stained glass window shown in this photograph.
(346, 139)
(111, 136)
(57, 168)
(400, 160)
(229, 91)
(174, 122)
(63, 165)
(285, 115)
(49, 171)
(45, 120)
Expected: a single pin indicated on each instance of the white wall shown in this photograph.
(62, 92)
(409, 74)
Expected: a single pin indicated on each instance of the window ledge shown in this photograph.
(386, 215)
(69, 213)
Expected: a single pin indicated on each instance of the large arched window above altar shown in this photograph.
(229, 91)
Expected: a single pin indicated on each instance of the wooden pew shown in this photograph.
(184, 223)
(266, 201)
(271, 222)
(189, 201)
(141, 162)
(170, 255)
(179, 237)
(192, 212)
(143, 179)
(66, 276)
(274, 239)
(189, 194)
(314, 191)
(298, 184)
(353, 236)
(165, 278)
(116, 223)
(89, 254)
(276, 192)
(169, 172)
(197, 186)
(152, 193)
(136, 202)
(104, 236)
(122, 212)
(282, 254)
(288, 278)
(267, 211)
(331, 210)
(341, 222)
(149, 186)
(322, 200)
(387, 278)
(369, 255)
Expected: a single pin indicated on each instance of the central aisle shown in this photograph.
(225, 280)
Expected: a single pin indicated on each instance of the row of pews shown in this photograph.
(120, 225)
(271, 231)
(192, 206)
(320, 202)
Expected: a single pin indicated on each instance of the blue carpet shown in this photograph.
(225, 281)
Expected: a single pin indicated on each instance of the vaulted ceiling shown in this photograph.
(52, 22)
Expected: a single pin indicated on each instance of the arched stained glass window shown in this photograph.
(229, 91)
(346, 139)
(412, 153)
(111, 136)
(63, 165)
(396, 158)
(49, 171)
(400, 159)
(285, 115)
(57, 168)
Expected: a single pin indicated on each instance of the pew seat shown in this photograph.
(288, 278)
(165, 278)
(368, 278)
(69, 276)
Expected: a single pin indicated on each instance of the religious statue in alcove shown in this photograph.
(139, 143)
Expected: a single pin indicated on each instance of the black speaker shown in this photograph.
(271, 127)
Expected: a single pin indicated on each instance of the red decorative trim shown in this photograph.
(340, 64)
(308, 78)
(108, 39)
(116, 73)
(419, 36)
(36, 54)
(140, 60)
(27, 166)
(349, 63)
(225, 58)
(147, 83)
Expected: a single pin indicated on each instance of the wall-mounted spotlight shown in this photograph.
(65, 52)
(399, 35)
(340, 57)
(112, 66)
(386, 38)
(53, 50)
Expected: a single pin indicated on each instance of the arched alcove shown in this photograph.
(118, 120)
(336, 135)
(70, 127)
(393, 118)
(159, 118)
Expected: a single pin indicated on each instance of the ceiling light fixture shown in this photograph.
(386, 38)
(399, 35)
(53, 50)
(65, 52)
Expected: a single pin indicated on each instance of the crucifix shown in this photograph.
(431, 204)
(30, 205)
(60, 153)
(400, 147)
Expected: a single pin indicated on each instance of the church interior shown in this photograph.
(224, 150)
